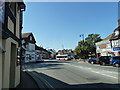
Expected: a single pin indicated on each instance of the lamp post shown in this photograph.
(82, 35)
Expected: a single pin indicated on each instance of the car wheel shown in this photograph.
(92, 62)
(116, 65)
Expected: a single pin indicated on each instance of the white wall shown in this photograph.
(6, 64)
(0, 70)
(31, 46)
(116, 43)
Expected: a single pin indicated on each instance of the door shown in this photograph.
(12, 65)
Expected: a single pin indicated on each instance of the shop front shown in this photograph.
(116, 50)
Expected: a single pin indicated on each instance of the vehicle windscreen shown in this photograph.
(94, 58)
(104, 57)
(61, 56)
(116, 58)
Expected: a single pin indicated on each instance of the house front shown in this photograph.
(115, 40)
(103, 48)
(28, 47)
(10, 28)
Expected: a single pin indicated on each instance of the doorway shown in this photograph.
(12, 65)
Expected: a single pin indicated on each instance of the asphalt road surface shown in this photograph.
(71, 74)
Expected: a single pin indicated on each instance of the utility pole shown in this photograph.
(82, 35)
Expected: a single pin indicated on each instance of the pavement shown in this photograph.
(27, 81)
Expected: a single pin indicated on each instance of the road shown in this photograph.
(71, 74)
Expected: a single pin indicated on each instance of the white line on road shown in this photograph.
(105, 74)
(95, 71)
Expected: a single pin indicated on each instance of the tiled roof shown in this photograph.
(109, 37)
(117, 29)
(25, 35)
(38, 48)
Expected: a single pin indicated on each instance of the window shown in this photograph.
(98, 47)
(30, 37)
(108, 45)
(116, 58)
(116, 33)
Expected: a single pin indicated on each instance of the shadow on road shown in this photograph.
(57, 84)
(49, 64)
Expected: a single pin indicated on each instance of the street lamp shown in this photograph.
(82, 35)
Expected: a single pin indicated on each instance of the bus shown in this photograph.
(63, 57)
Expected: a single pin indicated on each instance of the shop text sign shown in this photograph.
(116, 49)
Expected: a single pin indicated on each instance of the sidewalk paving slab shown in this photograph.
(27, 82)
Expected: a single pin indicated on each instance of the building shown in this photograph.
(66, 51)
(53, 53)
(38, 52)
(10, 27)
(46, 54)
(103, 48)
(115, 40)
(110, 46)
(28, 47)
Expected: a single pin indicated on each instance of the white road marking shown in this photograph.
(105, 74)
(96, 71)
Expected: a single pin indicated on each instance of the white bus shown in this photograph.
(63, 57)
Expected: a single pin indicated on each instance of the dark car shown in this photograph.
(93, 60)
(103, 60)
(115, 61)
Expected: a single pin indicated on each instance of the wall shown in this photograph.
(10, 25)
(104, 54)
(6, 63)
(31, 46)
(0, 66)
(8, 69)
(18, 23)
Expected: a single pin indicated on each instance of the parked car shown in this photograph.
(93, 60)
(115, 61)
(103, 60)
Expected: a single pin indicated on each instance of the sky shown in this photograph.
(58, 25)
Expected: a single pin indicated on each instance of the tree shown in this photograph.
(82, 49)
(92, 39)
(87, 47)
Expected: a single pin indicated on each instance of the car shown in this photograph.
(115, 61)
(93, 60)
(103, 60)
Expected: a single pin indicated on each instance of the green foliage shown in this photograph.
(87, 46)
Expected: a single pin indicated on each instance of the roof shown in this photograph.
(38, 48)
(117, 29)
(109, 37)
(25, 35)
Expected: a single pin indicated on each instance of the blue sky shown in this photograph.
(58, 24)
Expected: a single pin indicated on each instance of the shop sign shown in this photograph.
(116, 49)
(102, 46)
